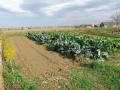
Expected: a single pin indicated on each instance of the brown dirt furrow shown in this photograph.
(37, 50)
(21, 59)
(49, 55)
(32, 59)
(35, 60)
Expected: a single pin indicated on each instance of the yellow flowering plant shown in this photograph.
(8, 50)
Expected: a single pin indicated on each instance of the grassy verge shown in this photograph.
(97, 76)
(14, 80)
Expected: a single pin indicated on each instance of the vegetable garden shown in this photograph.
(74, 45)
(48, 70)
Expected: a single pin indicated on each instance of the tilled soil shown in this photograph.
(36, 60)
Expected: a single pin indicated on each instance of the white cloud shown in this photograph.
(54, 8)
(104, 7)
(13, 6)
(98, 8)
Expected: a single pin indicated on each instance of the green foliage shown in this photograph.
(109, 75)
(74, 45)
(79, 82)
(13, 80)
(97, 76)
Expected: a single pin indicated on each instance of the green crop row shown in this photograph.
(74, 45)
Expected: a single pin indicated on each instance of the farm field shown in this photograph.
(59, 45)
(63, 60)
(107, 32)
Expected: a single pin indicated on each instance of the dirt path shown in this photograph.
(35, 60)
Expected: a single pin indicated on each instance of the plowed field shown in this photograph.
(36, 60)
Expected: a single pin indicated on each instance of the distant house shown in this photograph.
(88, 26)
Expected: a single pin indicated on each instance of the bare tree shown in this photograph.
(116, 20)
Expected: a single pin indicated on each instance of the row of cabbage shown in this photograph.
(74, 45)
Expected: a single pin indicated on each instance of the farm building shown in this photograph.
(89, 26)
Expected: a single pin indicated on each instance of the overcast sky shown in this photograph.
(15, 13)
